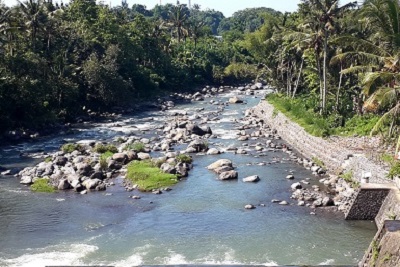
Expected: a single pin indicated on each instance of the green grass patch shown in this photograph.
(303, 110)
(184, 158)
(48, 159)
(319, 162)
(348, 177)
(359, 125)
(106, 155)
(100, 148)
(149, 177)
(70, 147)
(42, 185)
(394, 170)
(137, 147)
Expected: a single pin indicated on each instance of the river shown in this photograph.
(201, 221)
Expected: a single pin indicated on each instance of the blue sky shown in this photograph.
(228, 7)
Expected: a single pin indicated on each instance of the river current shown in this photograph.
(201, 221)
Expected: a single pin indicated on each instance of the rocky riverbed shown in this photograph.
(234, 207)
(83, 168)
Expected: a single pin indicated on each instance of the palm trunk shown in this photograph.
(298, 78)
(324, 72)
(340, 85)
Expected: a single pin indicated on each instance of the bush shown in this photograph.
(394, 170)
(184, 158)
(137, 147)
(42, 185)
(100, 148)
(69, 148)
(106, 155)
(148, 177)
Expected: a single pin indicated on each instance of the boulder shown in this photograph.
(213, 151)
(64, 184)
(283, 203)
(91, 183)
(101, 187)
(220, 163)
(83, 169)
(222, 169)
(229, 175)
(61, 161)
(251, 179)
(249, 207)
(327, 201)
(290, 177)
(27, 180)
(120, 158)
(197, 145)
(296, 186)
(167, 168)
(235, 100)
(132, 155)
(143, 156)
(195, 129)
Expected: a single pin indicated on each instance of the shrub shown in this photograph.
(106, 155)
(184, 158)
(100, 148)
(137, 147)
(69, 148)
(148, 177)
(394, 170)
(42, 185)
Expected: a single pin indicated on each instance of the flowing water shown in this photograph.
(201, 221)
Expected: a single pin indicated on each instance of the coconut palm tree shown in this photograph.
(178, 17)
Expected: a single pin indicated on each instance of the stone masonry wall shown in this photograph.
(390, 208)
(333, 155)
(367, 204)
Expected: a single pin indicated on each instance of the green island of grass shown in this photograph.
(42, 185)
(149, 177)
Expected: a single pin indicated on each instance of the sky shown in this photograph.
(228, 7)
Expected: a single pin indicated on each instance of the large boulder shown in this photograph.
(61, 161)
(143, 156)
(197, 130)
(167, 168)
(91, 183)
(27, 180)
(64, 184)
(222, 169)
(197, 146)
(229, 175)
(220, 163)
(296, 186)
(120, 158)
(83, 169)
(213, 151)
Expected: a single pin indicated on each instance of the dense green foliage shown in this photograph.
(149, 177)
(339, 63)
(58, 62)
(42, 185)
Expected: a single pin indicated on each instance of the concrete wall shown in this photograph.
(333, 155)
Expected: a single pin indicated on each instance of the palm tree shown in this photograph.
(322, 18)
(31, 11)
(177, 18)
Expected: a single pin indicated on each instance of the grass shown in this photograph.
(100, 148)
(184, 158)
(70, 147)
(302, 110)
(394, 170)
(42, 185)
(106, 155)
(137, 147)
(319, 162)
(149, 177)
(348, 177)
(48, 159)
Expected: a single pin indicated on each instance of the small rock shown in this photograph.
(290, 177)
(249, 207)
(283, 203)
(251, 179)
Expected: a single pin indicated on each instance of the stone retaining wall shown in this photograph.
(334, 156)
(367, 204)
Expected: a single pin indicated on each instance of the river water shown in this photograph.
(201, 221)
